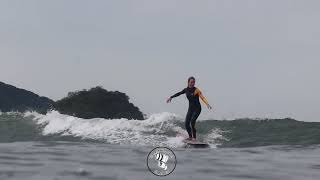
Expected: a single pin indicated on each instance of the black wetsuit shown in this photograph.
(194, 109)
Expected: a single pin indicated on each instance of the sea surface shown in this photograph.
(60, 147)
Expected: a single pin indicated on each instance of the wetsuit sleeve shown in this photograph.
(199, 93)
(179, 93)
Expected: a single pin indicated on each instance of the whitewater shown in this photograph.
(163, 129)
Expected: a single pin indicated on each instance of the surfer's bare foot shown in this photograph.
(193, 139)
(188, 139)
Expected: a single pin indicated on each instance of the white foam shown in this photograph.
(213, 136)
(12, 113)
(152, 131)
(32, 113)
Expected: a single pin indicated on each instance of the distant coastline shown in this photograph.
(17, 99)
(93, 103)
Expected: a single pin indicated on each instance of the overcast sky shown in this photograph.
(250, 58)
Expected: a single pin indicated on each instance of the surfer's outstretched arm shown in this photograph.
(176, 95)
(198, 92)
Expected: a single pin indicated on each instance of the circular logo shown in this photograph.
(161, 161)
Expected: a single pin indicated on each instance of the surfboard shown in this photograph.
(195, 144)
(192, 144)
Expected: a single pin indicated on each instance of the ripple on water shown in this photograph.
(79, 172)
(316, 166)
(54, 153)
(17, 174)
(63, 159)
(85, 173)
(243, 176)
(97, 163)
(16, 158)
(139, 152)
(23, 164)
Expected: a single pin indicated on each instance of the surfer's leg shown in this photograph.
(188, 121)
(193, 122)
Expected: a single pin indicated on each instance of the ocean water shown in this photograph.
(56, 146)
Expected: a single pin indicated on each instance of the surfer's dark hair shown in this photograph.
(190, 78)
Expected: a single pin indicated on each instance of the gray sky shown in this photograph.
(250, 58)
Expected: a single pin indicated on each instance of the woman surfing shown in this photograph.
(194, 109)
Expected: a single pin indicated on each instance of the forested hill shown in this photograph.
(98, 103)
(16, 99)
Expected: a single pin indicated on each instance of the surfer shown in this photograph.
(194, 109)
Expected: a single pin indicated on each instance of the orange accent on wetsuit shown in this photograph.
(199, 93)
